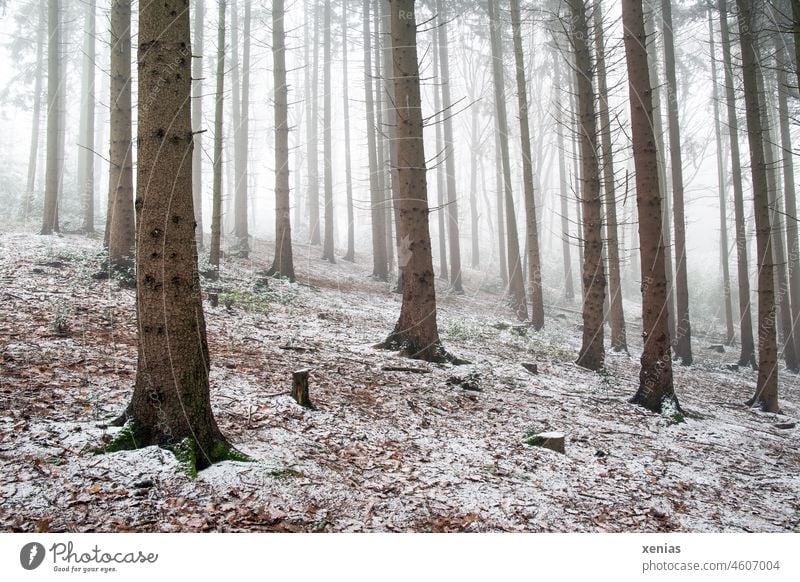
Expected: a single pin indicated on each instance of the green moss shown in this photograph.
(186, 453)
(222, 451)
(534, 440)
(127, 439)
(285, 473)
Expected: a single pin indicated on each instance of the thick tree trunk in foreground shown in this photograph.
(380, 268)
(616, 315)
(683, 329)
(766, 396)
(197, 119)
(747, 356)
(120, 225)
(531, 226)
(655, 379)
(170, 404)
(416, 332)
(327, 247)
(516, 282)
(592, 353)
(86, 145)
(52, 169)
(216, 195)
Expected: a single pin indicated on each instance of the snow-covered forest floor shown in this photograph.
(384, 450)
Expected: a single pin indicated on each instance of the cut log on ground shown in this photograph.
(300, 387)
(548, 440)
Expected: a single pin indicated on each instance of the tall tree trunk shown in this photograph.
(789, 190)
(616, 316)
(592, 354)
(782, 298)
(766, 395)
(796, 34)
(216, 204)
(444, 272)
(566, 247)
(655, 379)
(683, 329)
(120, 226)
(33, 156)
(350, 255)
(658, 127)
(86, 146)
(283, 264)
(380, 269)
(197, 118)
(500, 193)
(240, 95)
(747, 356)
(722, 184)
(313, 146)
(52, 170)
(515, 275)
(449, 153)
(475, 258)
(531, 226)
(327, 248)
(416, 332)
(171, 405)
(384, 156)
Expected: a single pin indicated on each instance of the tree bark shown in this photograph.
(380, 269)
(120, 226)
(36, 118)
(655, 378)
(747, 355)
(453, 231)
(531, 226)
(592, 354)
(86, 146)
(416, 332)
(283, 264)
(171, 403)
(444, 271)
(616, 316)
(515, 275)
(721, 182)
(350, 255)
(766, 395)
(313, 145)
(197, 117)
(683, 329)
(327, 248)
(240, 81)
(216, 204)
(52, 169)
(566, 247)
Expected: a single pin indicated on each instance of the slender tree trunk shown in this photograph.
(120, 226)
(351, 226)
(658, 127)
(384, 156)
(683, 330)
(240, 95)
(747, 356)
(197, 118)
(566, 247)
(380, 269)
(789, 190)
(449, 153)
(500, 192)
(327, 248)
(33, 156)
(766, 395)
(313, 145)
(592, 354)
(532, 227)
(444, 271)
(655, 379)
(721, 181)
(283, 264)
(796, 34)
(515, 274)
(86, 146)
(51, 186)
(216, 206)
(619, 340)
(475, 257)
(171, 405)
(416, 332)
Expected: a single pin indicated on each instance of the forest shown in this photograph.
(399, 266)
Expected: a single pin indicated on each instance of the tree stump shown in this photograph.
(300, 387)
(548, 440)
(532, 368)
